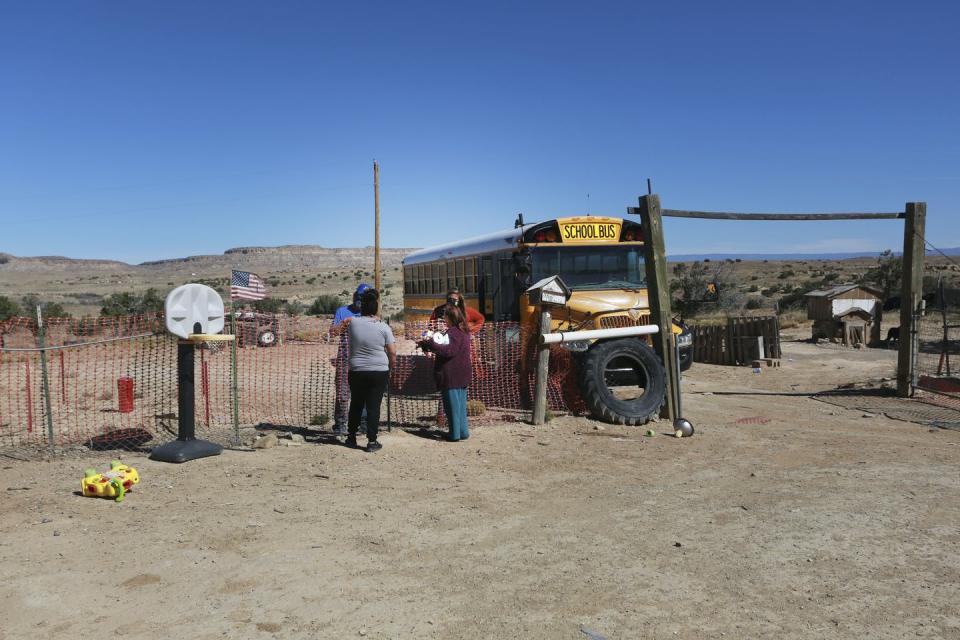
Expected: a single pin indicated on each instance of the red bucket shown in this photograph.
(125, 394)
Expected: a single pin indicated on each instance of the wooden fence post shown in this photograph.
(543, 367)
(911, 293)
(658, 295)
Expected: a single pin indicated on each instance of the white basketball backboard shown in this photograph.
(190, 305)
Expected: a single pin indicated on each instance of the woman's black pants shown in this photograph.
(366, 391)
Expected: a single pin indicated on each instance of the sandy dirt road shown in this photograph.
(783, 517)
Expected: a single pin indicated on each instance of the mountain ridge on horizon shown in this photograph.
(293, 249)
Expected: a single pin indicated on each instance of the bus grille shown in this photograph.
(616, 322)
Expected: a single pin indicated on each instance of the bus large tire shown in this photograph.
(597, 395)
(686, 358)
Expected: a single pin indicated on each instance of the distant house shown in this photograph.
(845, 312)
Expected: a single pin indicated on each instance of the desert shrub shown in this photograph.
(688, 284)
(29, 303)
(8, 308)
(324, 304)
(128, 303)
(475, 408)
(293, 308)
(754, 303)
(789, 273)
(792, 300)
(270, 305)
(125, 303)
(320, 419)
(753, 288)
(54, 310)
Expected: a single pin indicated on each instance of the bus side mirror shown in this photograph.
(522, 263)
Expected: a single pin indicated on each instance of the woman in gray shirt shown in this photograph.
(372, 354)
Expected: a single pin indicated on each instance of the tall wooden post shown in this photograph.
(658, 295)
(376, 226)
(913, 253)
(543, 366)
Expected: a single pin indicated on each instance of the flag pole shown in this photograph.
(376, 227)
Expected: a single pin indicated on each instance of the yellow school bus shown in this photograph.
(599, 258)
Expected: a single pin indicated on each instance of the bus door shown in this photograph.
(505, 297)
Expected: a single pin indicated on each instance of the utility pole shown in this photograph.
(376, 225)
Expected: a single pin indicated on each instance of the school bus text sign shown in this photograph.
(589, 232)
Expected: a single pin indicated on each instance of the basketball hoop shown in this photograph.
(210, 342)
(193, 313)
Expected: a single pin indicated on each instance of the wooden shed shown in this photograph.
(845, 312)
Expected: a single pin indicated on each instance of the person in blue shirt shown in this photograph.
(341, 320)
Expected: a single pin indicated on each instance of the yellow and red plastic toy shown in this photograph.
(111, 484)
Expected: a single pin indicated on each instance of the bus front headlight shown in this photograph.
(685, 340)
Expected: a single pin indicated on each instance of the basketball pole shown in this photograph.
(186, 447)
(376, 226)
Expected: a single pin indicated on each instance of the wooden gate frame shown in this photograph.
(658, 290)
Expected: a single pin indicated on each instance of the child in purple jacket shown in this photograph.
(452, 371)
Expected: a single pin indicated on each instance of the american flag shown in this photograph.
(246, 286)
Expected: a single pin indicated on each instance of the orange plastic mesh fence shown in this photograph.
(113, 381)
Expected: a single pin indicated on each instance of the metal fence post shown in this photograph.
(234, 387)
(41, 343)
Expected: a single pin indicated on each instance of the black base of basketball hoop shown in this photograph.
(186, 447)
(185, 450)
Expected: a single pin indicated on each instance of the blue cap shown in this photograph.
(363, 288)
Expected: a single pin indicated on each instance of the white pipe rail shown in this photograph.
(594, 334)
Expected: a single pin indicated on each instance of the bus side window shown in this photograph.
(470, 275)
(420, 288)
(459, 275)
(443, 277)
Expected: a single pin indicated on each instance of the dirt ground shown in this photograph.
(782, 517)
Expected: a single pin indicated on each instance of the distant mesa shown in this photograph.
(287, 248)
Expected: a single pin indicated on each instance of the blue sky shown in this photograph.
(147, 130)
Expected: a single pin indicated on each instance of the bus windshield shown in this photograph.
(592, 268)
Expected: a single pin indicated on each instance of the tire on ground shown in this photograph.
(266, 338)
(625, 352)
(686, 358)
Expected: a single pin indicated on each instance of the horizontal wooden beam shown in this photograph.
(724, 215)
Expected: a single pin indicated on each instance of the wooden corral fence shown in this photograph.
(739, 341)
